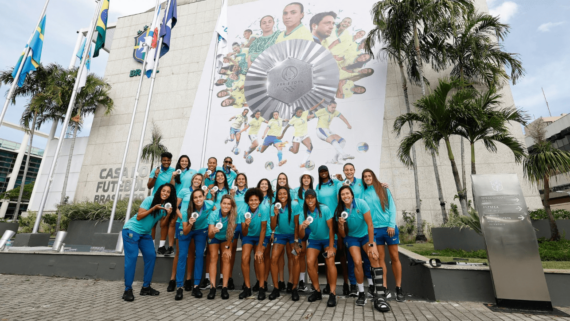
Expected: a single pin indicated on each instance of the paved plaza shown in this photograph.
(50, 298)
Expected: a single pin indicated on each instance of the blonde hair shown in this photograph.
(232, 217)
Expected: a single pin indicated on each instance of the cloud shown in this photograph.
(545, 27)
(505, 11)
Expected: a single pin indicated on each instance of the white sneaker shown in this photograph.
(226, 141)
(347, 156)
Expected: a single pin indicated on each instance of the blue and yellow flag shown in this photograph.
(33, 60)
(102, 27)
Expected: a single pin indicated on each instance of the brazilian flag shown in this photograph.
(102, 27)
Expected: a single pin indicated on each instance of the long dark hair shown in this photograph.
(321, 180)
(300, 191)
(216, 184)
(244, 176)
(171, 199)
(179, 167)
(340, 206)
(269, 189)
(358, 64)
(232, 217)
(380, 190)
(191, 205)
(286, 177)
(306, 208)
(288, 200)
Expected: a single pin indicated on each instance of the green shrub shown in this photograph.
(93, 211)
(46, 226)
(554, 250)
(408, 230)
(540, 214)
(471, 221)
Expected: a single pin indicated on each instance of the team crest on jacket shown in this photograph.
(138, 53)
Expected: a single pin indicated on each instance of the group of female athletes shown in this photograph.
(348, 220)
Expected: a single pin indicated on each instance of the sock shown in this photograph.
(370, 282)
(162, 243)
(337, 146)
(307, 156)
(342, 142)
(221, 276)
(279, 155)
(302, 276)
(237, 143)
(360, 287)
(230, 139)
(208, 276)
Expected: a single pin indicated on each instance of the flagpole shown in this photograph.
(120, 182)
(119, 247)
(25, 57)
(213, 74)
(68, 115)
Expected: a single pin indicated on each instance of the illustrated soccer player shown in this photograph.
(265, 41)
(235, 129)
(272, 131)
(293, 13)
(326, 116)
(254, 126)
(322, 25)
(299, 121)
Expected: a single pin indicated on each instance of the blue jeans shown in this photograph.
(200, 240)
(365, 265)
(132, 243)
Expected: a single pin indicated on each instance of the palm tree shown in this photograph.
(95, 94)
(436, 115)
(543, 163)
(482, 119)
(37, 110)
(152, 151)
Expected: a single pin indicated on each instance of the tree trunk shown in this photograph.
(463, 179)
(23, 184)
(69, 159)
(433, 158)
(473, 169)
(554, 235)
(420, 233)
(460, 191)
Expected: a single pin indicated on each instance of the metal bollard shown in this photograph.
(5, 238)
(119, 246)
(59, 238)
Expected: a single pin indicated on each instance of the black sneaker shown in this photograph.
(161, 250)
(196, 292)
(370, 291)
(246, 293)
(205, 284)
(231, 285)
(302, 287)
(188, 285)
(128, 295)
(212, 294)
(220, 284)
(361, 299)
(281, 285)
(316, 295)
(295, 295)
(169, 251)
(353, 290)
(171, 286)
(225, 294)
(243, 287)
(381, 305)
(274, 294)
(261, 294)
(289, 287)
(179, 294)
(149, 291)
(265, 286)
(345, 289)
(255, 287)
(400, 294)
(327, 289)
(332, 300)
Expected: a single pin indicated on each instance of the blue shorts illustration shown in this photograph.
(233, 131)
(270, 140)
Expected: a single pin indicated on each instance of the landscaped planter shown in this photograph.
(5, 226)
(81, 232)
(542, 228)
(457, 239)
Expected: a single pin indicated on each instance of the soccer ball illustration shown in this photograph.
(310, 165)
(362, 147)
(249, 159)
(269, 165)
(236, 151)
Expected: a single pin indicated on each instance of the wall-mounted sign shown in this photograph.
(138, 53)
(137, 72)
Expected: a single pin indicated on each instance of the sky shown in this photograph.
(538, 34)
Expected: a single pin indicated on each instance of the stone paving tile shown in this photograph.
(61, 299)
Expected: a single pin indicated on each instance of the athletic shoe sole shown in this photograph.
(362, 304)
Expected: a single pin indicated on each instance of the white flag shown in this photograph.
(151, 42)
(222, 32)
(85, 73)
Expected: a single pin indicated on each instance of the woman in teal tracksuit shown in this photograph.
(136, 236)
(305, 184)
(285, 223)
(222, 224)
(223, 189)
(240, 187)
(193, 229)
(319, 218)
(356, 227)
(265, 186)
(383, 211)
(253, 217)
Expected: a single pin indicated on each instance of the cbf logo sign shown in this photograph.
(138, 53)
(496, 185)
